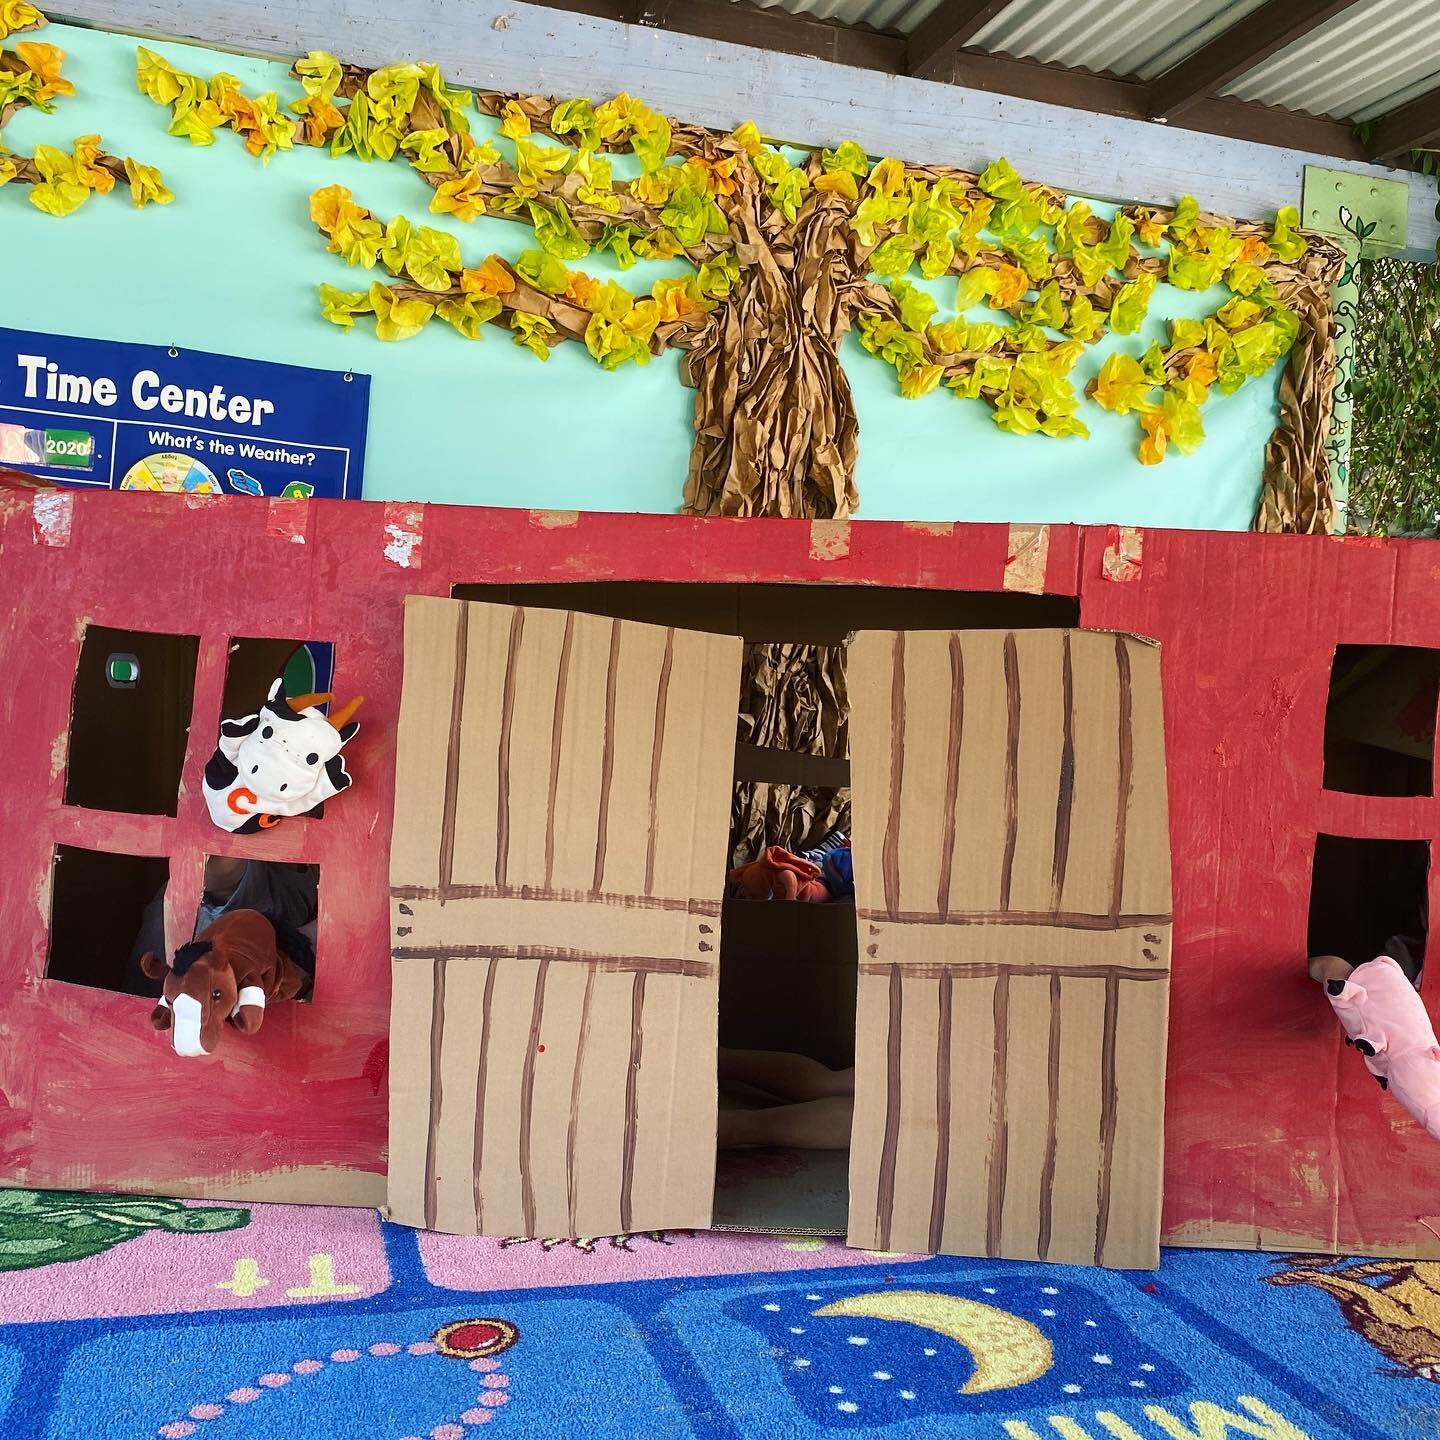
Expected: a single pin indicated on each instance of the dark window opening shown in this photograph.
(1380, 720)
(810, 614)
(99, 903)
(1369, 898)
(129, 720)
(285, 892)
(254, 665)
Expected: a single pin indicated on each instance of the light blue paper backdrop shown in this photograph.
(233, 264)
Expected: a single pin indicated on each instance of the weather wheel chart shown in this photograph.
(130, 1318)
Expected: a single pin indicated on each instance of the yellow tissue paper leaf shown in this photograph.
(397, 319)
(1122, 385)
(530, 331)
(340, 307)
(146, 186)
(514, 122)
(17, 15)
(1011, 283)
(460, 197)
(491, 278)
(748, 138)
(920, 380)
(467, 315)
(320, 74)
(837, 182)
(44, 61)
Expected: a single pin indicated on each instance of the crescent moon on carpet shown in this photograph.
(1008, 1352)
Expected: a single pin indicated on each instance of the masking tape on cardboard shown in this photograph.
(1124, 555)
(1026, 555)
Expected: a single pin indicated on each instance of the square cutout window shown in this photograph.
(104, 911)
(1369, 898)
(285, 892)
(307, 665)
(129, 720)
(1380, 720)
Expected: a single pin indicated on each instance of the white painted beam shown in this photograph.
(507, 45)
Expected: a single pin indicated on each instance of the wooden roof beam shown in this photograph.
(1415, 126)
(1239, 49)
(940, 35)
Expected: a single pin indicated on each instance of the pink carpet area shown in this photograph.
(124, 1318)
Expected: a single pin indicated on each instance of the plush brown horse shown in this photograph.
(230, 971)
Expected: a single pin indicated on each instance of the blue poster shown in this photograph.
(141, 417)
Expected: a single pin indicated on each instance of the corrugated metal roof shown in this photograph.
(1366, 61)
(1129, 37)
(1370, 60)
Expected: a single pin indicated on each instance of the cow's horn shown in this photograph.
(300, 703)
(345, 712)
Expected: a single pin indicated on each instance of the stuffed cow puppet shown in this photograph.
(285, 760)
(229, 972)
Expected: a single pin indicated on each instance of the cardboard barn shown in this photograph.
(525, 953)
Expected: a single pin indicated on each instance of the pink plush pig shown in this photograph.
(1385, 1020)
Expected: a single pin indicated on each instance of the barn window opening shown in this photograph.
(788, 971)
(99, 906)
(1368, 898)
(287, 893)
(1380, 720)
(307, 667)
(130, 720)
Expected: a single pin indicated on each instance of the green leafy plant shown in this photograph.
(1395, 426)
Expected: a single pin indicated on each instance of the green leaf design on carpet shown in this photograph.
(45, 1227)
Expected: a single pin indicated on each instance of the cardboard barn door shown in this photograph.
(563, 789)
(1012, 878)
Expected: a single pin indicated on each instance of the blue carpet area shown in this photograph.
(1209, 1348)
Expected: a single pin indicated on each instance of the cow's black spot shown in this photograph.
(267, 732)
(254, 769)
(313, 758)
(219, 772)
(283, 788)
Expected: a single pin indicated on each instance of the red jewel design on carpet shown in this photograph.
(472, 1339)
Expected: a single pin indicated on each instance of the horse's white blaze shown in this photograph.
(250, 995)
(187, 1025)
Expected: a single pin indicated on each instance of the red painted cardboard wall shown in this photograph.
(1276, 1134)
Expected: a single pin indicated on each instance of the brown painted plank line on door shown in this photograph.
(1107, 1116)
(964, 970)
(572, 1133)
(1050, 919)
(527, 1097)
(632, 1077)
(1065, 797)
(890, 850)
(618, 899)
(999, 1121)
(446, 866)
(482, 1070)
(607, 759)
(609, 964)
(942, 1114)
(657, 747)
(952, 770)
(557, 731)
(507, 721)
(1012, 768)
(1052, 1120)
(437, 1042)
(890, 1144)
(1126, 743)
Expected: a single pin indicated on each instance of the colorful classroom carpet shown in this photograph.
(125, 1319)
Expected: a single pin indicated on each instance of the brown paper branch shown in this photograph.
(790, 816)
(793, 697)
